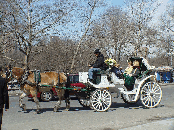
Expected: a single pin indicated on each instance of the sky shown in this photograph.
(121, 3)
(159, 11)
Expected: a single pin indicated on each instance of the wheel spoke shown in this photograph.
(101, 100)
(157, 93)
(100, 94)
(105, 104)
(151, 94)
(145, 89)
(148, 102)
(154, 98)
(153, 87)
(151, 101)
(157, 90)
(106, 95)
(144, 98)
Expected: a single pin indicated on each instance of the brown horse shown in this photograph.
(29, 86)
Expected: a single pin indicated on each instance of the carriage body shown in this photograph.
(145, 87)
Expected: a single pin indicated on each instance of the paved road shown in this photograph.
(119, 116)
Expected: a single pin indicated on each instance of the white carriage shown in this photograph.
(145, 88)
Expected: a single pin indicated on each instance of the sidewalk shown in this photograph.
(165, 84)
(167, 124)
(13, 92)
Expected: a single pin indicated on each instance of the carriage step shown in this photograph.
(121, 90)
(127, 92)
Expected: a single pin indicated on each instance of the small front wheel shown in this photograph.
(101, 100)
(84, 102)
(151, 94)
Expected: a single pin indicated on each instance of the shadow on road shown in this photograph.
(59, 110)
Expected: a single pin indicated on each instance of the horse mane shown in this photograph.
(18, 71)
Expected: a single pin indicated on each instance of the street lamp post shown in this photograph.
(171, 54)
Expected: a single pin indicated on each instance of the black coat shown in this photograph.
(117, 72)
(4, 98)
(99, 62)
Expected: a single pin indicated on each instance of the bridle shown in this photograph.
(9, 75)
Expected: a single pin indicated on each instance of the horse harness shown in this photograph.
(24, 79)
(37, 78)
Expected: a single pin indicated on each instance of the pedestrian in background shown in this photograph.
(4, 98)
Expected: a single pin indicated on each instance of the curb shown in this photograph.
(167, 124)
(14, 92)
(165, 84)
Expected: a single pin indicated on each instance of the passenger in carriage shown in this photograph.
(131, 72)
(129, 69)
(136, 69)
(117, 70)
(97, 66)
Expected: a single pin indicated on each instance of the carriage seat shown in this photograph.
(97, 76)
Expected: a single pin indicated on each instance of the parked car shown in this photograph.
(74, 80)
(47, 93)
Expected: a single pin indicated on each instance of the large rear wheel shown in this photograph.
(151, 94)
(101, 100)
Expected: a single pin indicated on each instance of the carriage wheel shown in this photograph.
(151, 94)
(84, 102)
(101, 100)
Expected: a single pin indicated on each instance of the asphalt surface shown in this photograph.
(119, 117)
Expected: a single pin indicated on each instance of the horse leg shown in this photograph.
(33, 91)
(66, 95)
(37, 104)
(57, 105)
(23, 106)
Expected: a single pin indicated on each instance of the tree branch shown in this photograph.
(72, 65)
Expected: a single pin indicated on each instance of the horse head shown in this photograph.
(13, 73)
(8, 74)
(17, 73)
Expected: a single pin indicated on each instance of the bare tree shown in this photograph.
(168, 17)
(141, 12)
(87, 20)
(28, 21)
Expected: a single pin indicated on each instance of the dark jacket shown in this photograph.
(117, 71)
(99, 62)
(4, 98)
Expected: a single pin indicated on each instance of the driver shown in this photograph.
(97, 65)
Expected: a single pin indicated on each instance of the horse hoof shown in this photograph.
(23, 107)
(38, 111)
(67, 109)
(55, 109)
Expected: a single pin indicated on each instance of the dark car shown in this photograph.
(74, 80)
(48, 93)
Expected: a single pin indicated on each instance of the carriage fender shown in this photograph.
(144, 80)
